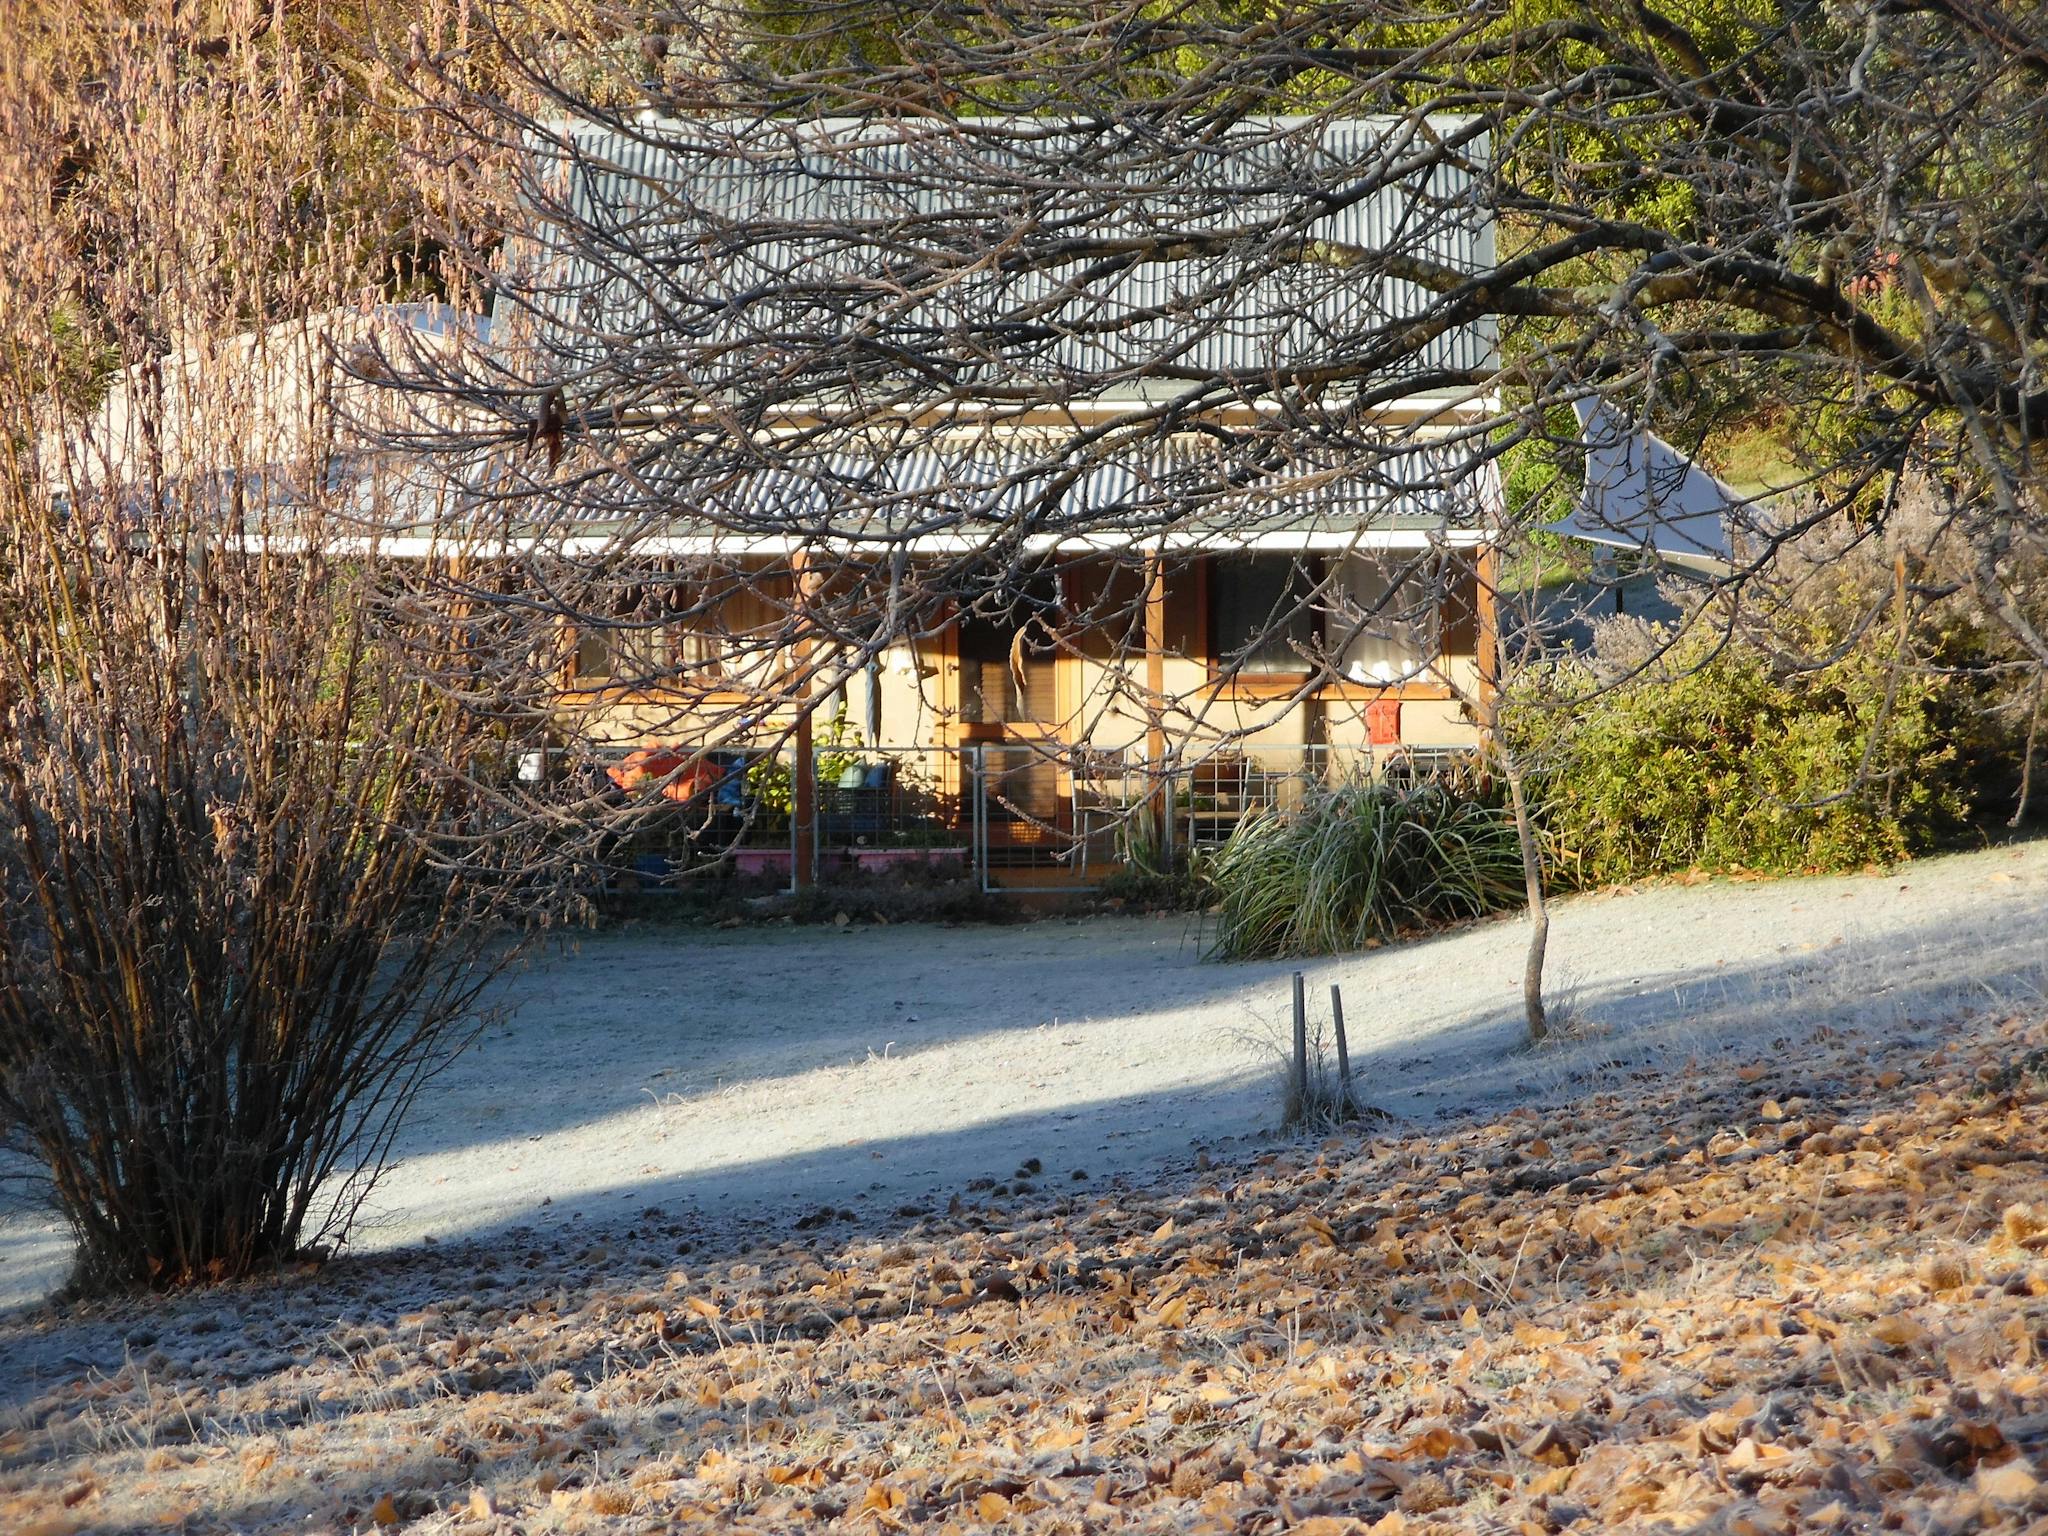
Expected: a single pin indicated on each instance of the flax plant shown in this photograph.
(1362, 862)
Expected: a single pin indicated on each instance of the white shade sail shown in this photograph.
(1643, 494)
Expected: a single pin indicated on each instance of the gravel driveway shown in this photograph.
(751, 1076)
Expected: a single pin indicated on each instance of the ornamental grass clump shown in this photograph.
(1361, 862)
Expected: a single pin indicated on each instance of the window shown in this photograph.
(706, 629)
(1261, 617)
(1006, 652)
(631, 652)
(593, 654)
(1383, 617)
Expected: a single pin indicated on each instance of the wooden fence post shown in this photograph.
(1300, 1069)
(803, 774)
(1343, 1052)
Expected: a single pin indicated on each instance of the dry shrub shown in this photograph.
(260, 852)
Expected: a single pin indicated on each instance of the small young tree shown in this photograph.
(261, 847)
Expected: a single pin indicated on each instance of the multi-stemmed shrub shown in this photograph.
(261, 844)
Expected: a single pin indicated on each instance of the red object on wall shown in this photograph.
(1383, 722)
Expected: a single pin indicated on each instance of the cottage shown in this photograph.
(932, 484)
(800, 357)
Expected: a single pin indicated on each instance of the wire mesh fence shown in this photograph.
(1013, 816)
(891, 810)
(1048, 814)
(678, 818)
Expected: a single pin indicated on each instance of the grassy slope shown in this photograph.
(1799, 1297)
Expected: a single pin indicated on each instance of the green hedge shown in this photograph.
(1718, 757)
(1723, 761)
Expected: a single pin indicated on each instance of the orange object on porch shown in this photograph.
(650, 763)
(1383, 722)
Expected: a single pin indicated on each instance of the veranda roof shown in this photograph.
(1172, 496)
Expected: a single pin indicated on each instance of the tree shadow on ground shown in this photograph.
(1699, 1019)
(681, 1031)
(216, 1344)
(1432, 1061)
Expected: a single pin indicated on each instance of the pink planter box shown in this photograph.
(761, 861)
(899, 858)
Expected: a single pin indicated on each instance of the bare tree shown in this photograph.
(877, 421)
(262, 845)
(877, 318)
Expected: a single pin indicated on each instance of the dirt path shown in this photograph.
(749, 1077)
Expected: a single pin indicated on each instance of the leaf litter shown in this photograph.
(1805, 1293)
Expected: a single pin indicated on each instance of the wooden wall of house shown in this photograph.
(1104, 699)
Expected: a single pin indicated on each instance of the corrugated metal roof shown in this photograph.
(796, 266)
(742, 243)
(1643, 494)
(990, 494)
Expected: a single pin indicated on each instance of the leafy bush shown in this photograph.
(772, 786)
(1363, 861)
(1720, 759)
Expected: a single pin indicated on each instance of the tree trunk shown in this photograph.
(2019, 812)
(1539, 912)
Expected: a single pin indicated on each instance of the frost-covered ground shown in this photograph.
(739, 1080)
(1802, 1292)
